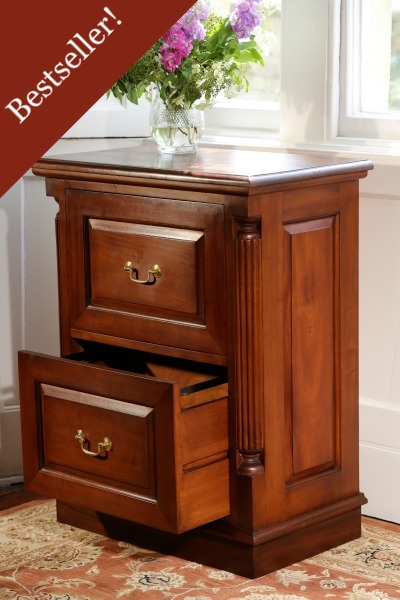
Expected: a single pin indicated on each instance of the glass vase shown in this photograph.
(175, 131)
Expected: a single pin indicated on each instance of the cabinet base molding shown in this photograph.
(217, 547)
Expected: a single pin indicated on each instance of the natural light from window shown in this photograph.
(370, 70)
(394, 92)
(380, 56)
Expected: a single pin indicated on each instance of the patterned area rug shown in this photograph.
(44, 560)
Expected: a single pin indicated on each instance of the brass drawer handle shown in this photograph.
(152, 274)
(106, 444)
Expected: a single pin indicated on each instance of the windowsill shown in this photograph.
(382, 181)
(370, 149)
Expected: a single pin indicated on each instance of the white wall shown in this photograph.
(380, 340)
(10, 331)
(380, 282)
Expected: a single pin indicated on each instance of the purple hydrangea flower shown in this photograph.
(170, 60)
(176, 46)
(177, 42)
(193, 30)
(203, 10)
(245, 18)
(191, 20)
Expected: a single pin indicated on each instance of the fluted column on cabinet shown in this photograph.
(249, 355)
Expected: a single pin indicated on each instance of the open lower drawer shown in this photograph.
(148, 444)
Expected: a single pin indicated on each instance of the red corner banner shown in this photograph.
(58, 60)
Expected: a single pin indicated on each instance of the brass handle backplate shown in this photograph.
(106, 444)
(152, 274)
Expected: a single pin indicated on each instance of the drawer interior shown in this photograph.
(198, 382)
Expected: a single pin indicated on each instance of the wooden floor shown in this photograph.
(14, 495)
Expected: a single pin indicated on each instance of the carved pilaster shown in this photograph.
(249, 354)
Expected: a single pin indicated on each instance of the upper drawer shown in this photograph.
(148, 446)
(144, 270)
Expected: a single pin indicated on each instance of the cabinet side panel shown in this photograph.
(311, 402)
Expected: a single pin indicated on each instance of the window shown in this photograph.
(253, 113)
(394, 89)
(370, 69)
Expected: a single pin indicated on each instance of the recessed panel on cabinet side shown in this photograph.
(312, 394)
(319, 336)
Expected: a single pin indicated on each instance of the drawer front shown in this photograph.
(143, 270)
(111, 442)
(122, 254)
(121, 444)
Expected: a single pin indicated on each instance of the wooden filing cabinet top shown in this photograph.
(212, 168)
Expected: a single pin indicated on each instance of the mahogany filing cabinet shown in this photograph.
(205, 403)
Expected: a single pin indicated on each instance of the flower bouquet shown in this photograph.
(204, 55)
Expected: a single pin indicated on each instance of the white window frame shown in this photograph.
(310, 109)
(243, 119)
(354, 120)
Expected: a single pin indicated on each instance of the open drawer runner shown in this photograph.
(147, 441)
